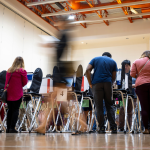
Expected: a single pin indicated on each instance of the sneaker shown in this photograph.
(102, 130)
(13, 131)
(114, 131)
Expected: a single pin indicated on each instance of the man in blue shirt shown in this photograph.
(104, 75)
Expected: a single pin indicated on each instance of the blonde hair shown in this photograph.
(17, 64)
(146, 54)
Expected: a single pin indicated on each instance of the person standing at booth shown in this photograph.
(127, 65)
(141, 71)
(105, 69)
(17, 78)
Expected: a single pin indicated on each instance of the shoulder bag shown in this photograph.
(4, 94)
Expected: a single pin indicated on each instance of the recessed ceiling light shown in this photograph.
(82, 42)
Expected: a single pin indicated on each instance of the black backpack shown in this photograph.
(36, 81)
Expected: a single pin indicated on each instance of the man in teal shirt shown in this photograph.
(105, 69)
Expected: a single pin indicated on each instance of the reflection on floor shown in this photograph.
(65, 141)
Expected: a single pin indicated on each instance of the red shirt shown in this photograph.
(17, 82)
(144, 76)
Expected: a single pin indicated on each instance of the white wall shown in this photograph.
(120, 48)
(115, 29)
(26, 13)
(18, 37)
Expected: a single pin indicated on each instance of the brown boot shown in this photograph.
(146, 131)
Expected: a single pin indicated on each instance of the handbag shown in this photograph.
(4, 94)
(142, 68)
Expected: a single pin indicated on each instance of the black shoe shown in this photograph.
(13, 131)
(120, 130)
(102, 130)
(7, 131)
(114, 131)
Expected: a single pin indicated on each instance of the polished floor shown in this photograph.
(65, 141)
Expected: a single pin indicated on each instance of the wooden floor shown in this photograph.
(65, 141)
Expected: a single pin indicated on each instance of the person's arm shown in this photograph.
(88, 74)
(24, 77)
(114, 73)
(133, 72)
(113, 76)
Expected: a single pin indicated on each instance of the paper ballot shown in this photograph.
(49, 39)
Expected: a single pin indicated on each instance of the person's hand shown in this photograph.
(133, 85)
(91, 86)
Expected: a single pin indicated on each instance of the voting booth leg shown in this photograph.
(1, 118)
(93, 115)
(49, 130)
(57, 115)
(139, 115)
(133, 116)
(79, 112)
(34, 115)
(126, 106)
(60, 114)
(5, 117)
(24, 116)
(53, 102)
(37, 112)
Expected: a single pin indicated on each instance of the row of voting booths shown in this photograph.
(66, 108)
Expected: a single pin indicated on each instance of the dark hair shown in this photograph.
(107, 54)
(128, 62)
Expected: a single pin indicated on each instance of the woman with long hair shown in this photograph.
(141, 71)
(17, 78)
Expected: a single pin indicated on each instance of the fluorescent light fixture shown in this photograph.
(133, 10)
(71, 17)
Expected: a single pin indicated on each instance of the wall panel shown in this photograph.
(18, 37)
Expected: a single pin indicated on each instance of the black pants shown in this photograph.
(13, 112)
(103, 91)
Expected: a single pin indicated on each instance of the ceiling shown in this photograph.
(54, 9)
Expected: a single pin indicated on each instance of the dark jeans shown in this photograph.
(103, 91)
(13, 112)
(143, 92)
